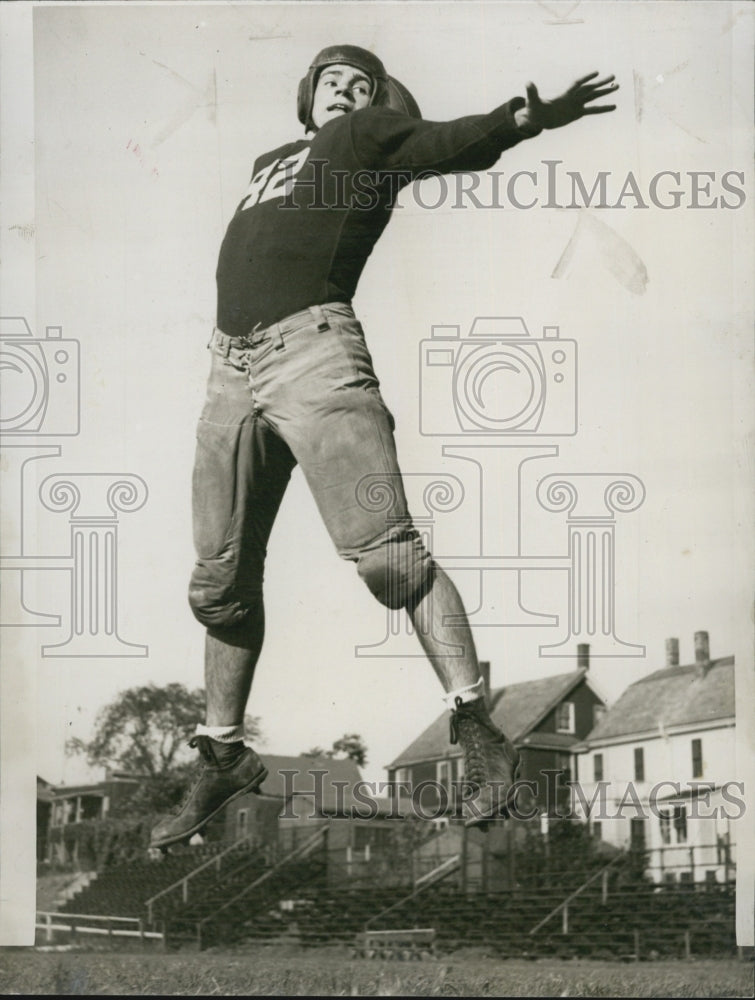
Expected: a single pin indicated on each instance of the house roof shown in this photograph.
(675, 696)
(72, 791)
(330, 789)
(516, 709)
(280, 784)
(550, 741)
(44, 790)
(97, 788)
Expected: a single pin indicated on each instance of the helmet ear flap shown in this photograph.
(304, 98)
(400, 99)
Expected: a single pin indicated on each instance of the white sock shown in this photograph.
(223, 734)
(468, 693)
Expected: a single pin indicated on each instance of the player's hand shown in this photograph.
(571, 105)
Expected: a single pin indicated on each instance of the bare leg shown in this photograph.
(229, 769)
(490, 760)
(455, 667)
(228, 672)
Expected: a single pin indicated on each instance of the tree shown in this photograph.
(144, 731)
(350, 745)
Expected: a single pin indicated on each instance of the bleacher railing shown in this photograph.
(563, 906)
(686, 862)
(74, 924)
(297, 854)
(182, 885)
(443, 870)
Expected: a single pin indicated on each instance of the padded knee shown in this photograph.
(216, 602)
(397, 570)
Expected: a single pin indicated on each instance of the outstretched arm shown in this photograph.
(538, 114)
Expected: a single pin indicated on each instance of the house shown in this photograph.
(656, 772)
(301, 795)
(44, 809)
(63, 806)
(545, 718)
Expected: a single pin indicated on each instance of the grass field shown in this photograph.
(331, 972)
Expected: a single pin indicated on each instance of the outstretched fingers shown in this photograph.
(603, 92)
(596, 83)
(599, 111)
(589, 91)
(583, 79)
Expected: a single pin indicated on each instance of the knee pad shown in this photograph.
(397, 570)
(217, 603)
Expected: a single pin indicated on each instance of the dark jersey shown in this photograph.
(315, 208)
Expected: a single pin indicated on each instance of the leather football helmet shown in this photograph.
(387, 91)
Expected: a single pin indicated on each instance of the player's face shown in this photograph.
(340, 89)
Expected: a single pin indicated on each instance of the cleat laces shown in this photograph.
(201, 743)
(467, 727)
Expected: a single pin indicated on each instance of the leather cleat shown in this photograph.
(491, 764)
(215, 786)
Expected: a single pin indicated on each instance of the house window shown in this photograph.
(597, 767)
(241, 822)
(697, 758)
(444, 774)
(685, 876)
(400, 776)
(598, 711)
(723, 851)
(564, 764)
(680, 824)
(91, 808)
(639, 764)
(665, 820)
(637, 834)
(710, 876)
(565, 717)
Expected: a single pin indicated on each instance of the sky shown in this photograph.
(146, 123)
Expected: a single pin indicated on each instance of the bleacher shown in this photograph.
(595, 909)
(621, 917)
(206, 893)
(122, 890)
(254, 910)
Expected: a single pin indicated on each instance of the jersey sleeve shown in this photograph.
(384, 139)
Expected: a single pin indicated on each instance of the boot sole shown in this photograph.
(186, 835)
(502, 812)
(483, 822)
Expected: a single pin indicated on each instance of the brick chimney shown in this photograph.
(583, 655)
(485, 672)
(672, 652)
(702, 653)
